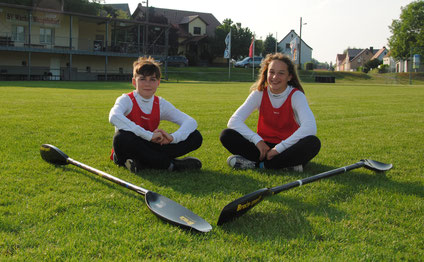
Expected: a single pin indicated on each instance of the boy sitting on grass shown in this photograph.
(138, 143)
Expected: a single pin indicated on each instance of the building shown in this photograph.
(354, 58)
(40, 43)
(289, 45)
(359, 60)
(340, 58)
(380, 54)
(390, 62)
(192, 29)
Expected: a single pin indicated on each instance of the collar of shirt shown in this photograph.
(285, 93)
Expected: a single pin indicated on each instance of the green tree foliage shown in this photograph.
(83, 7)
(259, 47)
(240, 40)
(269, 45)
(371, 65)
(408, 31)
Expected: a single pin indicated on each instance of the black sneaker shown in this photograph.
(115, 158)
(132, 166)
(186, 163)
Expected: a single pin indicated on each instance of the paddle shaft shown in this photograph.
(278, 189)
(105, 175)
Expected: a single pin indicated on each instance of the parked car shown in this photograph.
(248, 62)
(179, 61)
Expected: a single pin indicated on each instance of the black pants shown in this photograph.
(300, 153)
(127, 145)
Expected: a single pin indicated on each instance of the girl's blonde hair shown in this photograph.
(261, 83)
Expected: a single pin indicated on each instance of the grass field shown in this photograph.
(65, 213)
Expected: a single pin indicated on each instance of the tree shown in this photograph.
(269, 45)
(83, 7)
(259, 47)
(371, 65)
(240, 40)
(408, 31)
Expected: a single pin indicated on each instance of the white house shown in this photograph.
(388, 60)
(289, 45)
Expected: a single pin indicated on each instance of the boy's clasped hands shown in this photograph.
(161, 137)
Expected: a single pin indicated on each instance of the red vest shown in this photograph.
(276, 124)
(147, 121)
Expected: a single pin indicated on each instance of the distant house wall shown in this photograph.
(388, 60)
(199, 24)
(306, 50)
(382, 54)
(360, 59)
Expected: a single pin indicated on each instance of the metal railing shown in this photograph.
(90, 45)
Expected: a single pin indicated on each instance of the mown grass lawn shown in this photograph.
(65, 213)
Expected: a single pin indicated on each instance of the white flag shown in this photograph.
(227, 52)
(293, 47)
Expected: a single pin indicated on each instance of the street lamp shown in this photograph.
(300, 43)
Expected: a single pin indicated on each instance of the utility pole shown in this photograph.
(300, 45)
(147, 26)
(276, 40)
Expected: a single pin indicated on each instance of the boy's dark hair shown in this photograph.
(146, 66)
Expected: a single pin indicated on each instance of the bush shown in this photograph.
(309, 66)
(383, 69)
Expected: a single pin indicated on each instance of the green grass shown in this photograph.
(65, 213)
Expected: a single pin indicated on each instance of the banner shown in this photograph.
(252, 46)
(293, 47)
(416, 61)
(227, 52)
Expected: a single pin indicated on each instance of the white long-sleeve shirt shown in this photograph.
(303, 116)
(123, 106)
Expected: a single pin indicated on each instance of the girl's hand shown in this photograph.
(263, 149)
(157, 137)
(167, 138)
(271, 153)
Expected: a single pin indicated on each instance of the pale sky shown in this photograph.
(331, 25)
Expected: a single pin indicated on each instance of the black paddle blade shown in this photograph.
(175, 213)
(241, 205)
(376, 166)
(53, 155)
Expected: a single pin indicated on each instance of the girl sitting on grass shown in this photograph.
(138, 142)
(286, 127)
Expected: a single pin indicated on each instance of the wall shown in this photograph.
(197, 23)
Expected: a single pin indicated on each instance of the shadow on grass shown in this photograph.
(287, 220)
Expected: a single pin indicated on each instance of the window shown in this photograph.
(19, 34)
(288, 46)
(46, 35)
(197, 30)
(98, 43)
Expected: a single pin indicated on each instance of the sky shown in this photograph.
(331, 26)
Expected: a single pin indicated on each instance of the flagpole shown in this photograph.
(229, 59)
(276, 39)
(253, 57)
(227, 52)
